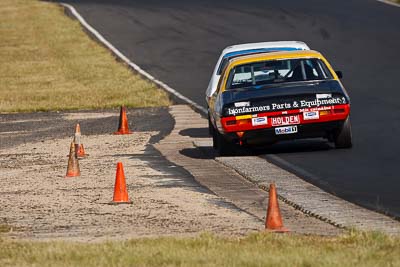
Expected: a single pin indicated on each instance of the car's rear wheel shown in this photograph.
(343, 137)
(210, 126)
(215, 138)
(223, 147)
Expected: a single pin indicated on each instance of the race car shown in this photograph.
(247, 49)
(268, 97)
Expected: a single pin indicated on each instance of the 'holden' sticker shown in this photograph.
(285, 120)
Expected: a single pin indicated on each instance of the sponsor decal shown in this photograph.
(242, 104)
(320, 102)
(320, 96)
(235, 111)
(285, 120)
(311, 115)
(300, 104)
(259, 121)
(316, 109)
(286, 130)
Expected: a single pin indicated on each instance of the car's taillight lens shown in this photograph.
(324, 112)
(339, 110)
(245, 121)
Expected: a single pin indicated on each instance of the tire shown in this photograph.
(223, 147)
(210, 126)
(343, 137)
(215, 138)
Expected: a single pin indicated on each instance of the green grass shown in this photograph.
(47, 62)
(263, 249)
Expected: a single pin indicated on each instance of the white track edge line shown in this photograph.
(389, 3)
(135, 67)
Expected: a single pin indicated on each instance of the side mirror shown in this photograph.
(339, 74)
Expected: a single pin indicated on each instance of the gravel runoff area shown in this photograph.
(40, 204)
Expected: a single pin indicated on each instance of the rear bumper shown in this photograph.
(265, 136)
(242, 128)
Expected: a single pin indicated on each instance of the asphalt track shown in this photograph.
(178, 42)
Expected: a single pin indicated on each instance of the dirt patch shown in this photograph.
(36, 199)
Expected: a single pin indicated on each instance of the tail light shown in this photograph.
(339, 110)
(245, 121)
(324, 112)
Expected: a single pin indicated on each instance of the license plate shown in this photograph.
(285, 120)
(259, 121)
(286, 130)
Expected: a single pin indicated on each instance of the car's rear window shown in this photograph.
(277, 71)
(240, 53)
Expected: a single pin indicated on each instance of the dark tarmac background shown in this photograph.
(178, 42)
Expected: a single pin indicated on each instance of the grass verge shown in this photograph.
(263, 249)
(47, 63)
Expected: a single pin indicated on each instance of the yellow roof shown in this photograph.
(273, 56)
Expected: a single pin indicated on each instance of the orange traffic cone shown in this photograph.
(73, 164)
(120, 191)
(79, 149)
(274, 219)
(123, 127)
